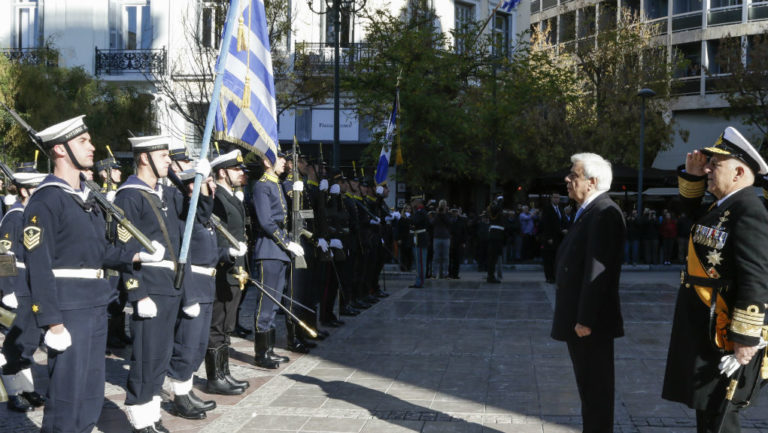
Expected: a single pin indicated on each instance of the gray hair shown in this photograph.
(595, 166)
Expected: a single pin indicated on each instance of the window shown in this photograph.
(691, 54)
(501, 33)
(130, 24)
(27, 33)
(684, 6)
(345, 21)
(655, 8)
(465, 15)
(212, 16)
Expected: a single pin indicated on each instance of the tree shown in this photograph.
(44, 95)
(744, 85)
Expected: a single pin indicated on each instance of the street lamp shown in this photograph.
(335, 7)
(643, 94)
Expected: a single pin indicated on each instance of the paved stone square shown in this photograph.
(456, 356)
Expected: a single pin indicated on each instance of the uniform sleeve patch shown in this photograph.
(132, 284)
(122, 234)
(33, 237)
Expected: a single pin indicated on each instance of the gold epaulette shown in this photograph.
(268, 177)
(691, 188)
(748, 322)
(765, 196)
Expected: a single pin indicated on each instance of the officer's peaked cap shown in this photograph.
(228, 160)
(62, 132)
(178, 151)
(732, 143)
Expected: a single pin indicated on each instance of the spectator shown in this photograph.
(650, 228)
(458, 242)
(634, 237)
(527, 225)
(668, 232)
(683, 229)
(441, 240)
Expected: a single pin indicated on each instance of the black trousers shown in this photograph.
(224, 312)
(548, 256)
(350, 271)
(152, 347)
(494, 251)
(592, 359)
(76, 376)
(706, 421)
(454, 259)
(22, 339)
(331, 289)
(190, 340)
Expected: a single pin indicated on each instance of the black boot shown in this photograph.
(183, 407)
(34, 398)
(260, 348)
(217, 384)
(294, 344)
(201, 404)
(224, 366)
(271, 352)
(18, 403)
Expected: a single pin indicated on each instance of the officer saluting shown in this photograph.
(24, 336)
(272, 252)
(720, 308)
(65, 250)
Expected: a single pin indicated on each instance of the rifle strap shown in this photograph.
(161, 222)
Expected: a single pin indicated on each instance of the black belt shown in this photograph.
(714, 283)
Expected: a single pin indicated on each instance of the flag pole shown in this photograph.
(209, 121)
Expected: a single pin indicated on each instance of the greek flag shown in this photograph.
(383, 167)
(246, 113)
(508, 5)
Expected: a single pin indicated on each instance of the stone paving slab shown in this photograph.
(457, 356)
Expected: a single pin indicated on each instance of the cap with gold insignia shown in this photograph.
(62, 132)
(233, 159)
(27, 167)
(149, 143)
(732, 143)
(28, 180)
(178, 152)
(109, 162)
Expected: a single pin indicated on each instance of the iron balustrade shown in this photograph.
(31, 56)
(118, 62)
(319, 55)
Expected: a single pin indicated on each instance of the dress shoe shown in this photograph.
(381, 294)
(492, 281)
(18, 403)
(298, 347)
(34, 398)
(359, 305)
(204, 405)
(242, 332)
(414, 286)
(183, 407)
(324, 333)
(330, 323)
(159, 427)
(348, 311)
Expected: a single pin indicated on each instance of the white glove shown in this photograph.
(9, 199)
(295, 248)
(240, 195)
(323, 185)
(407, 214)
(728, 365)
(203, 166)
(192, 310)
(59, 341)
(298, 186)
(395, 215)
(379, 190)
(335, 189)
(11, 301)
(2, 360)
(111, 196)
(335, 243)
(375, 221)
(323, 244)
(145, 256)
(238, 252)
(146, 308)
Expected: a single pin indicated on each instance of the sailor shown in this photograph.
(156, 211)
(65, 251)
(273, 252)
(338, 237)
(228, 171)
(22, 339)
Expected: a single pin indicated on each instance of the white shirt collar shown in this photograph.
(226, 187)
(590, 199)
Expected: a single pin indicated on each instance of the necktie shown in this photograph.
(578, 213)
(557, 210)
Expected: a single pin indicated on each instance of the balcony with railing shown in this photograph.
(758, 11)
(31, 56)
(319, 56)
(122, 62)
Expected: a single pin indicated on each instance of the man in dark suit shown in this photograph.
(551, 229)
(718, 332)
(588, 264)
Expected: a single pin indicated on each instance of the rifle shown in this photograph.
(297, 214)
(7, 317)
(216, 221)
(105, 204)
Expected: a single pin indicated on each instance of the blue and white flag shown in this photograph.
(508, 5)
(246, 113)
(383, 167)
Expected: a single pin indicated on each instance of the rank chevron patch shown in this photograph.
(33, 237)
(122, 234)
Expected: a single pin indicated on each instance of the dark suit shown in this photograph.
(551, 229)
(588, 266)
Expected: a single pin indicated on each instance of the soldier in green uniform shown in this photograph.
(718, 324)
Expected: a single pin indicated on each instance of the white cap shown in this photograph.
(28, 180)
(732, 143)
(63, 132)
(149, 143)
(227, 160)
(178, 151)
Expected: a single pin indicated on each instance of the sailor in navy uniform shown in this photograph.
(229, 173)
(272, 252)
(24, 336)
(65, 251)
(156, 210)
(719, 319)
